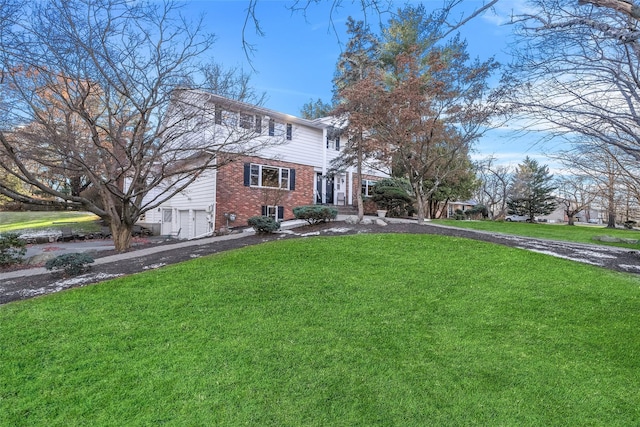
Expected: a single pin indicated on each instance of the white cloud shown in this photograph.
(504, 10)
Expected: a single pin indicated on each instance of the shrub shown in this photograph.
(72, 264)
(314, 214)
(12, 249)
(264, 224)
(394, 196)
(477, 212)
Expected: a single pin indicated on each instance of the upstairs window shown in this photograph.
(333, 139)
(247, 121)
(289, 131)
(333, 143)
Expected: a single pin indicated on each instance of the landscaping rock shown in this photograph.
(351, 219)
(41, 258)
(381, 222)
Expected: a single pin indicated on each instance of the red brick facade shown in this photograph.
(232, 196)
(370, 207)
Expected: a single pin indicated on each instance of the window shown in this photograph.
(272, 127)
(289, 131)
(367, 187)
(333, 143)
(333, 138)
(218, 116)
(270, 177)
(275, 212)
(258, 124)
(246, 121)
(229, 118)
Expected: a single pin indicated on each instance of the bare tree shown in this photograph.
(95, 114)
(576, 194)
(601, 165)
(494, 186)
(626, 7)
(576, 72)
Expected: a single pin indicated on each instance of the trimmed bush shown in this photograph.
(314, 214)
(72, 264)
(12, 249)
(263, 224)
(393, 195)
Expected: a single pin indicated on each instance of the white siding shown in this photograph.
(192, 208)
(306, 147)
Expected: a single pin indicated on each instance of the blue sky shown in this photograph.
(294, 61)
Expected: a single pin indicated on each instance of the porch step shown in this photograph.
(346, 210)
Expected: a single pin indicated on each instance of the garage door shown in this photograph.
(201, 223)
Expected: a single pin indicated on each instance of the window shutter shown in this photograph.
(338, 144)
(292, 179)
(264, 210)
(247, 174)
(280, 212)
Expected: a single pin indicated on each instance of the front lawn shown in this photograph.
(406, 330)
(32, 221)
(563, 232)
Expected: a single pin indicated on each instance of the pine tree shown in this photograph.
(530, 193)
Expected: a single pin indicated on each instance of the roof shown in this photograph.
(322, 123)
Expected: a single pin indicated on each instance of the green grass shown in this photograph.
(30, 221)
(406, 330)
(577, 233)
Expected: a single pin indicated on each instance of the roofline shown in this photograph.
(244, 106)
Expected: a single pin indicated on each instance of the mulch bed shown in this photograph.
(27, 287)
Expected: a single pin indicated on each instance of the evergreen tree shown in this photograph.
(315, 109)
(530, 190)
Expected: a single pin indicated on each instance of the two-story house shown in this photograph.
(294, 170)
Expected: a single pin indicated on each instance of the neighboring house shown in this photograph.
(462, 205)
(293, 172)
(556, 216)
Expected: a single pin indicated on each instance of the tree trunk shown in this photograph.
(611, 220)
(570, 220)
(121, 236)
(419, 202)
(359, 186)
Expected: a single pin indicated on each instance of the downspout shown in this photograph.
(350, 188)
(323, 196)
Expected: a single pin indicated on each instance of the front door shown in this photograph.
(318, 188)
(329, 198)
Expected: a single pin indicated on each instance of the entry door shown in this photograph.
(330, 182)
(318, 188)
(167, 222)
